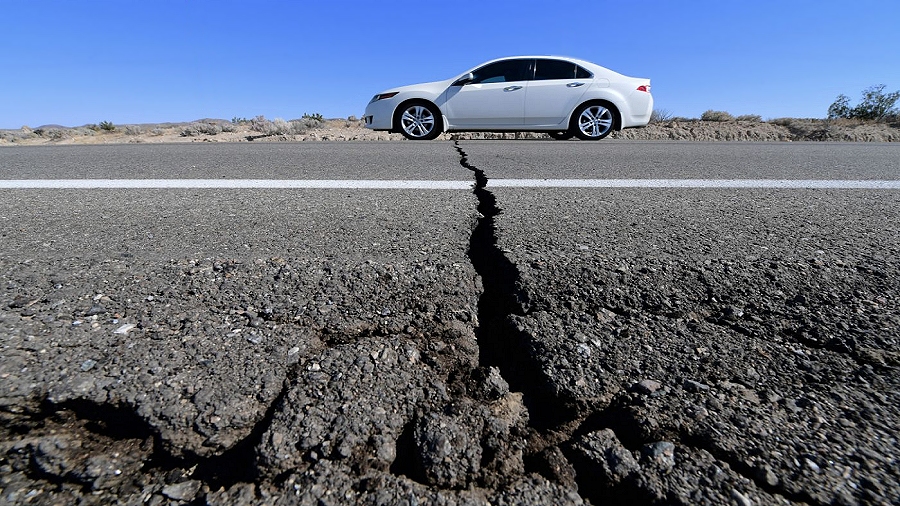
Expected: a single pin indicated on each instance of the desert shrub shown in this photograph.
(840, 108)
(712, 115)
(753, 118)
(56, 133)
(314, 116)
(660, 115)
(196, 128)
(782, 121)
(107, 126)
(310, 121)
(133, 130)
(228, 127)
(157, 132)
(299, 126)
(239, 121)
(876, 105)
(84, 131)
(281, 126)
(262, 125)
(17, 135)
(50, 133)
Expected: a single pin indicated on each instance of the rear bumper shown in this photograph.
(641, 109)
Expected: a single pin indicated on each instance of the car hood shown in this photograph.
(434, 87)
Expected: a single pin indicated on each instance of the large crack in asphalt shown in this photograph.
(552, 420)
(498, 340)
(557, 423)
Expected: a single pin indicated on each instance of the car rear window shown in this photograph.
(582, 73)
(554, 69)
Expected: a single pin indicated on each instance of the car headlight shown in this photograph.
(382, 96)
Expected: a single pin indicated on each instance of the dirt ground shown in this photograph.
(778, 130)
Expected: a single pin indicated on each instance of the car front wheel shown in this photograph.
(593, 122)
(418, 121)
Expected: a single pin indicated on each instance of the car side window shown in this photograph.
(554, 69)
(502, 71)
(582, 73)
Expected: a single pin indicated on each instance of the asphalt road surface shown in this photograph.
(485, 344)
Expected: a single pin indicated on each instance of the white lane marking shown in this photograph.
(78, 184)
(444, 185)
(697, 183)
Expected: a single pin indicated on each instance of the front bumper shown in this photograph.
(379, 114)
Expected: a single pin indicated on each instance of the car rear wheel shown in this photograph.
(418, 121)
(593, 122)
(560, 136)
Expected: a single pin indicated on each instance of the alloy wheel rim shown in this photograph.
(417, 121)
(595, 121)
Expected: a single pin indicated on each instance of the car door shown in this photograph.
(495, 98)
(555, 91)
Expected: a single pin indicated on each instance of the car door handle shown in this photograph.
(574, 85)
(512, 88)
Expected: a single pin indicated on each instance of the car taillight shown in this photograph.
(644, 87)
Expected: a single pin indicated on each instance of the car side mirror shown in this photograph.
(464, 80)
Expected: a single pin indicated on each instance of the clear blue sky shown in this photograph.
(74, 62)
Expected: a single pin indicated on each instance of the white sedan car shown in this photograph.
(564, 97)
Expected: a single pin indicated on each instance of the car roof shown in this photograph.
(579, 61)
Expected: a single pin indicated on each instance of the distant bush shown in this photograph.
(262, 125)
(157, 132)
(107, 126)
(84, 131)
(299, 126)
(753, 118)
(239, 121)
(51, 133)
(711, 115)
(133, 130)
(196, 128)
(16, 135)
(876, 105)
(315, 116)
(279, 126)
(660, 115)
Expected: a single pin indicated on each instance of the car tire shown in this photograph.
(561, 136)
(418, 121)
(593, 121)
